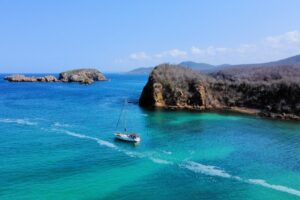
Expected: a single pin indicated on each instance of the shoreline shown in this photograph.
(236, 110)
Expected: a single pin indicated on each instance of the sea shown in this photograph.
(57, 142)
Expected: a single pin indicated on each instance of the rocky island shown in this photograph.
(83, 76)
(22, 78)
(272, 91)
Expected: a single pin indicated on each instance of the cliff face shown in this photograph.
(174, 87)
(268, 92)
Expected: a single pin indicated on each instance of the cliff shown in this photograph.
(173, 87)
(272, 92)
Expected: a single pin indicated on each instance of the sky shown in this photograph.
(120, 35)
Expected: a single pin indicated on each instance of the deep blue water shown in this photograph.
(56, 142)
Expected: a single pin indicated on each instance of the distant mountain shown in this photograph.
(208, 68)
(197, 66)
(224, 65)
(203, 67)
(294, 60)
(141, 70)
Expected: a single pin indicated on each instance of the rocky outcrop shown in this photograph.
(22, 78)
(173, 87)
(84, 76)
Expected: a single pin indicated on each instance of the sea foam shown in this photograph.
(113, 146)
(99, 141)
(18, 121)
(205, 169)
(190, 165)
(215, 171)
(160, 161)
(57, 124)
(275, 187)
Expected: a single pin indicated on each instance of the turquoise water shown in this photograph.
(56, 142)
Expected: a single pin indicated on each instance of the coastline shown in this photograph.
(228, 110)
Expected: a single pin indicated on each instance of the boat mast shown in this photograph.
(125, 122)
(121, 115)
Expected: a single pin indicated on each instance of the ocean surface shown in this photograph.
(57, 142)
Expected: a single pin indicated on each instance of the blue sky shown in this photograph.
(119, 35)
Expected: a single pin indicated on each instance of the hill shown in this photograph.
(197, 66)
(208, 68)
(141, 70)
(272, 91)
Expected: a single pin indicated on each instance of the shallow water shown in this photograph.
(57, 143)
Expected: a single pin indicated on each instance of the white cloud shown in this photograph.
(267, 49)
(288, 38)
(197, 51)
(175, 53)
(216, 50)
(209, 51)
(139, 56)
(244, 48)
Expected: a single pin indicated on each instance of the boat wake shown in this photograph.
(113, 146)
(99, 141)
(215, 171)
(18, 121)
(160, 161)
(274, 187)
(57, 124)
(204, 169)
(195, 167)
(166, 152)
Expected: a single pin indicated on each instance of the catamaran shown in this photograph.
(125, 136)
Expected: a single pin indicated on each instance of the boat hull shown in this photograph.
(126, 138)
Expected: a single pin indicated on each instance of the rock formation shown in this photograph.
(173, 87)
(22, 78)
(84, 76)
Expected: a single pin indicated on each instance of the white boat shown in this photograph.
(128, 137)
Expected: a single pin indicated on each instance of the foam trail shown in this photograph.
(190, 165)
(132, 154)
(205, 169)
(214, 171)
(105, 143)
(101, 142)
(111, 145)
(160, 161)
(57, 124)
(76, 134)
(18, 121)
(167, 152)
(275, 187)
